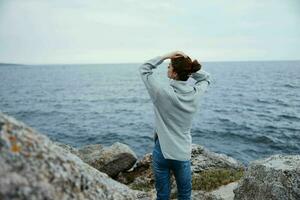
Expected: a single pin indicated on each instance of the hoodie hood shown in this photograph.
(181, 86)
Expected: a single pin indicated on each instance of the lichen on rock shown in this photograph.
(274, 178)
(39, 169)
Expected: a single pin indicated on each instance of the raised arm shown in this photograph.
(152, 85)
(202, 80)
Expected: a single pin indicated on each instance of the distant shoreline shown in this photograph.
(12, 64)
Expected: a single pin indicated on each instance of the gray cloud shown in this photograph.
(65, 31)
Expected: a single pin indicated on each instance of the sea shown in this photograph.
(250, 111)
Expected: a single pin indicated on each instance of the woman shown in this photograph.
(174, 108)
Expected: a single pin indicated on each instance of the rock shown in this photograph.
(68, 148)
(141, 173)
(90, 149)
(140, 177)
(89, 153)
(276, 177)
(203, 159)
(33, 167)
(201, 195)
(225, 192)
(110, 160)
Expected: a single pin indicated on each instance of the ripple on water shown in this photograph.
(288, 117)
(251, 110)
(288, 85)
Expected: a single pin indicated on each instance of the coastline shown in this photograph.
(34, 167)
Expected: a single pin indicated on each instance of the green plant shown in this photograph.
(212, 179)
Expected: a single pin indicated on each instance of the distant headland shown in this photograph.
(11, 64)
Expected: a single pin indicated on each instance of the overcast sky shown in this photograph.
(120, 31)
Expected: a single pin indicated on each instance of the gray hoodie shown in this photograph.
(174, 109)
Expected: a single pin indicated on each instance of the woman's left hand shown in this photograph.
(174, 54)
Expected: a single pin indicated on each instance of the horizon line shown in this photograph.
(105, 63)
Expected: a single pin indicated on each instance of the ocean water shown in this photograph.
(250, 111)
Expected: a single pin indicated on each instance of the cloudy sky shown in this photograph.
(120, 31)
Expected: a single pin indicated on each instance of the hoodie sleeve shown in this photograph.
(152, 85)
(202, 81)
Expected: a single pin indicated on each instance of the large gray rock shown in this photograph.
(33, 167)
(204, 159)
(273, 178)
(111, 160)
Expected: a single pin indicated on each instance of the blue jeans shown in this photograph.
(161, 169)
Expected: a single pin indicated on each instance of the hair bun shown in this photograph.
(195, 66)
